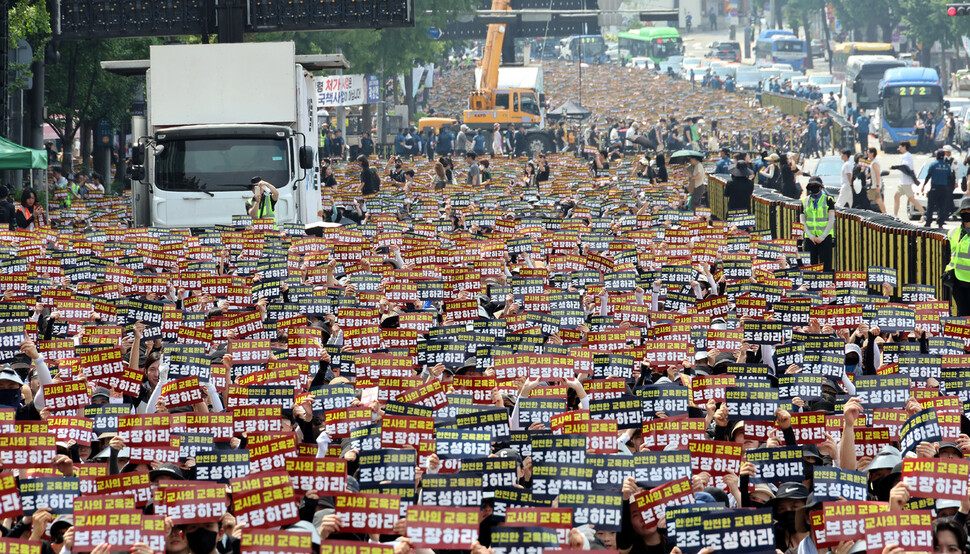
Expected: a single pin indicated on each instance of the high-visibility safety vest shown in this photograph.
(959, 254)
(817, 219)
(73, 190)
(265, 207)
(27, 213)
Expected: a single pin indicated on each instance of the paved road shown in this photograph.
(891, 182)
(697, 44)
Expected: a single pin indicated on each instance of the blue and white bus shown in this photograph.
(905, 92)
(780, 46)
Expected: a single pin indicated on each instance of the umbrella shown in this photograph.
(681, 156)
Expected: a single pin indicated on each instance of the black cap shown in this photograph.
(255, 179)
(793, 491)
(949, 444)
(167, 470)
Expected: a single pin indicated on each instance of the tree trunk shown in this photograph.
(366, 118)
(121, 171)
(408, 99)
(85, 137)
(808, 43)
(828, 37)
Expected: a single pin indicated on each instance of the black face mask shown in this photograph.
(787, 522)
(201, 541)
(10, 397)
(965, 217)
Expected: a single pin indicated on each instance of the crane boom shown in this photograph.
(482, 98)
(492, 55)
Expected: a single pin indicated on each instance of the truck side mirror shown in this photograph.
(138, 154)
(306, 157)
(136, 172)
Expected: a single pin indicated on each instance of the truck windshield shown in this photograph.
(221, 164)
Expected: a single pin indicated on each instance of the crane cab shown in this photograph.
(503, 106)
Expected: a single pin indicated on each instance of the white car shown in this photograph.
(820, 79)
(961, 172)
(748, 77)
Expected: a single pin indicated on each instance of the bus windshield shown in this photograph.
(589, 46)
(789, 46)
(866, 87)
(900, 104)
(665, 48)
(220, 164)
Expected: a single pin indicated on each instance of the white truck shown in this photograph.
(217, 116)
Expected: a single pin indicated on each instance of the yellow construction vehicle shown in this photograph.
(488, 104)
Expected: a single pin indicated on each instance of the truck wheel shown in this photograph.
(539, 143)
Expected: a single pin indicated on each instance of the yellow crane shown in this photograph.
(488, 104)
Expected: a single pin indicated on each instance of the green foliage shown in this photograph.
(79, 90)
(928, 23)
(877, 16)
(29, 21)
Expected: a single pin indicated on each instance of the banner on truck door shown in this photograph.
(347, 90)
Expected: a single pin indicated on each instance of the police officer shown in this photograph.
(263, 202)
(938, 175)
(818, 217)
(960, 260)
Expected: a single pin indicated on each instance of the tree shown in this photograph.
(876, 18)
(29, 21)
(79, 92)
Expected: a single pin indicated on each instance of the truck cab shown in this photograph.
(217, 116)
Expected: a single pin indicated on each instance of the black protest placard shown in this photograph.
(148, 312)
(11, 336)
(669, 399)
(763, 332)
(833, 483)
(750, 404)
(777, 465)
(188, 360)
(654, 468)
(922, 427)
(807, 386)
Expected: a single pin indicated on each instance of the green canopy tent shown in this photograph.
(15, 156)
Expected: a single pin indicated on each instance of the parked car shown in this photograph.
(820, 79)
(829, 168)
(818, 48)
(748, 77)
(728, 50)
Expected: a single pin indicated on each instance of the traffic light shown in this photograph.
(957, 9)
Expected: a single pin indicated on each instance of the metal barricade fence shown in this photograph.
(862, 238)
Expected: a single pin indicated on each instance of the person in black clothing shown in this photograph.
(738, 190)
(661, 168)
(789, 170)
(327, 178)
(369, 182)
(542, 169)
(521, 147)
(26, 213)
(7, 218)
(366, 144)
